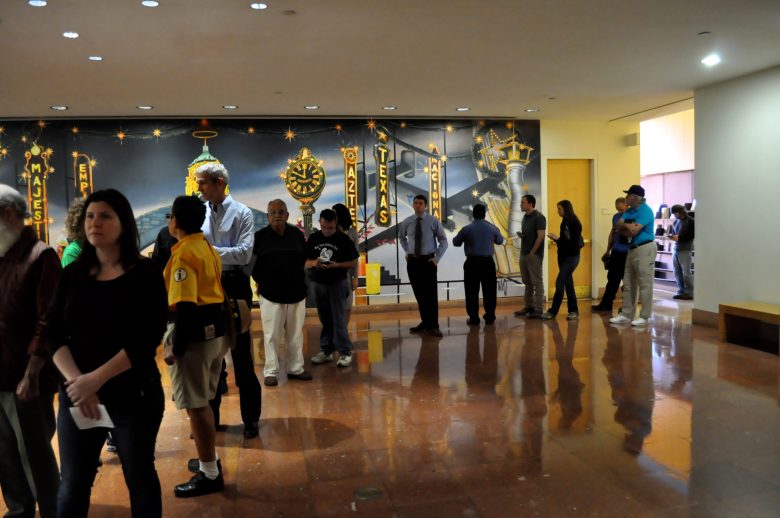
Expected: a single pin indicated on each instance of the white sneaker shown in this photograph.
(344, 361)
(321, 357)
(639, 322)
(620, 319)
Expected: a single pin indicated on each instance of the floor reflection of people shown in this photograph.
(681, 356)
(481, 369)
(533, 393)
(628, 361)
(570, 387)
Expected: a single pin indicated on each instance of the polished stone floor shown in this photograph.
(522, 418)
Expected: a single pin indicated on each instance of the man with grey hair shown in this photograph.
(280, 251)
(637, 225)
(29, 273)
(229, 227)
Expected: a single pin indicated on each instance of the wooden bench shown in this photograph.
(730, 329)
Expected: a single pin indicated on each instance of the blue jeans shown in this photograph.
(136, 423)
(682, 272)
(331, 304)
(565, 281)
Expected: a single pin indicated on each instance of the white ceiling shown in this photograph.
(599, 59)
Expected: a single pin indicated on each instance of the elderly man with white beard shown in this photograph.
(29, 273)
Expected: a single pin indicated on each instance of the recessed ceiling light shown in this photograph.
(704, 33)
(230, 106)
(389, 108)
(258, 6)
(96, 58)
(58, 108)
(532, 110)
(37, 3)
(711, 60)
(150, 3)
(462, 109)
(312, 107)
(144, 107)
(70, 34)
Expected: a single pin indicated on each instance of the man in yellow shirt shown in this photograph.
(195, 350)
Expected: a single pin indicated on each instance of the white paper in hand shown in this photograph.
(84, 422)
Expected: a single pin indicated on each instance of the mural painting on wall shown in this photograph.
(374, 167)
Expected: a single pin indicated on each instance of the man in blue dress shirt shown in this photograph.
(229, 227)
(637, 225)
(479, 237)
(424, 242)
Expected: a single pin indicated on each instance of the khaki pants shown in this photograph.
(638, 281)
(531, 273)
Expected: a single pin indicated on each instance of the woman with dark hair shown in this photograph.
(569, 243)
(345, 225)
(105, 323)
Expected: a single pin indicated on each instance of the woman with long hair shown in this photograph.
(569, 243)
(105, 323)
(74, 227)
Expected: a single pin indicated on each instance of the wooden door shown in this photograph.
(570, 180)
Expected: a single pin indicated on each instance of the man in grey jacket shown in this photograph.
(682, 234)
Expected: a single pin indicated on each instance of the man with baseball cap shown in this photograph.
(637, 225)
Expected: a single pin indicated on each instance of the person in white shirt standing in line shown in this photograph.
(229, 227)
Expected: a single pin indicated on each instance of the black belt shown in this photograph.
(426, 257)
(479, 256)
(631, 247)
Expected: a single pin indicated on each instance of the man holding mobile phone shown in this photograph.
(531, 257)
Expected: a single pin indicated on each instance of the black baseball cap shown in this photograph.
(636, 189)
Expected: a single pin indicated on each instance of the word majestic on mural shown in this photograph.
(351, 182)
(37, 170)
(382, 201)
(434, 170)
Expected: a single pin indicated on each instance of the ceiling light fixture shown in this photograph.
(37, 3)
(390, 108)
(70, 35)
(258, 6)
(230, 106)
(462, 109)
(58, 107)
(312, 107)
(96, 58)
(711, 60)
(144, 107)
(150, 3)
(532, 110)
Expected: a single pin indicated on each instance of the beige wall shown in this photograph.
(737, 186)
(615, 164)
(667, 143)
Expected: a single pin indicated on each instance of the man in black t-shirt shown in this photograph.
(280, 250)
(331, 254)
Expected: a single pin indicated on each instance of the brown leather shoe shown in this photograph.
(270, 381)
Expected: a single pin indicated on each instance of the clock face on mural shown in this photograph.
(305, 179)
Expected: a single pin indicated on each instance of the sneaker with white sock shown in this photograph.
(620, 319)
(344, 361)
(639, 322)
(321, 357)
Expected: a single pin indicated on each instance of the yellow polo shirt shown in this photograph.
(193, 273)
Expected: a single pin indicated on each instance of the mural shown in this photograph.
(375, 167)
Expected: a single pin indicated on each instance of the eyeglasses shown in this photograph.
(168, 215)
